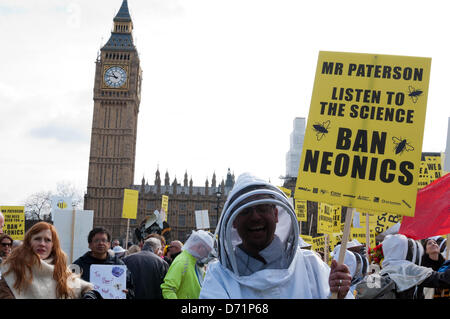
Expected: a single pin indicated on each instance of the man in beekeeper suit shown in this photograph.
(258, 251)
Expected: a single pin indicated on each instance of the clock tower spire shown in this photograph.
(117, 96)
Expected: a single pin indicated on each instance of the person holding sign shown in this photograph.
(99, 240)
(259, 255)
(38, 270)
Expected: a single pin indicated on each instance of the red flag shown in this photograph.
(432, 215)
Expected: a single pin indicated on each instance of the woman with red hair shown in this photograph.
(38, 269)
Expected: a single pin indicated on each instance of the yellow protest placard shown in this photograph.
(360, 235)
(307, 239)
(165, 205)
(14, 221)
(434, 167)
(301, 210)
(130, 203)
(318, 243)
(385, 221)
(363, 139)
(337, 212)
(423, 175)
(325, 218)
(285, 190)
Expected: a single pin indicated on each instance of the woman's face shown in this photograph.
(432, 247)
(42, 243)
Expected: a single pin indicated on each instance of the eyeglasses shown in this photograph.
(263, 209)
(6, 244)
(98, 241)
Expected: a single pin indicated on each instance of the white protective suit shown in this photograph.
(290, 272)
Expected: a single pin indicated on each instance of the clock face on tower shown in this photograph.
(115, 77)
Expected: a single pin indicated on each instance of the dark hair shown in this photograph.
(96, 231)
(3, 236)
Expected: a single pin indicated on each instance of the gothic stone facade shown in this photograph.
(184, 200)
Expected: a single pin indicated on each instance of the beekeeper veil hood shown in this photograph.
(200, 244)
(251, 191)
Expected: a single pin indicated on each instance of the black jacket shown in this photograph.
(87, 260)
(430, 263)
(435, 280)
(148, 271)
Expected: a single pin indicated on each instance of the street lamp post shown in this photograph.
(218, 195)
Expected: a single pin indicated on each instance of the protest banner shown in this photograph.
(130, 203)
(285, 190)
(318, 243)
(307, 238)
(73, 228)
(423, 175)
(325, 220)
(385, 221)
(165, 206)
(109, 280)
(434, 166)
(202, 219)
(301, 210)
(360, 234)
(363, 140)
(14, 221)
(129, 210)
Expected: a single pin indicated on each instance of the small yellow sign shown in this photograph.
(14, 221)
(165, 205)
(301, 210)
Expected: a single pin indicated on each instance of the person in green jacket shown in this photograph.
(185, 275)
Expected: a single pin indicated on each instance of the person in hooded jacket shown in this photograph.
(99, 240)
(185, 275)
(258, 251)
(356, 262)
(402, 263)
(432, 258)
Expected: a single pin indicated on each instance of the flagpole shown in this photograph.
(448, 246)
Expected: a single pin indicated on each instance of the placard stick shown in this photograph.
(72, 234)
(367, 234)
(128, 230)
(348, 222)
(326, 249)
(448, 247)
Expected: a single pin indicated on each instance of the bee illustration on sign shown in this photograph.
(61, 204)
(321, 129)
(401, 145)
(414, 93)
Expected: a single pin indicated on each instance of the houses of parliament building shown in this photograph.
(117, 96)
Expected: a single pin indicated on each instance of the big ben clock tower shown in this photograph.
(114, 125)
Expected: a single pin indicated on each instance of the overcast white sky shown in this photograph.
(222, 82)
